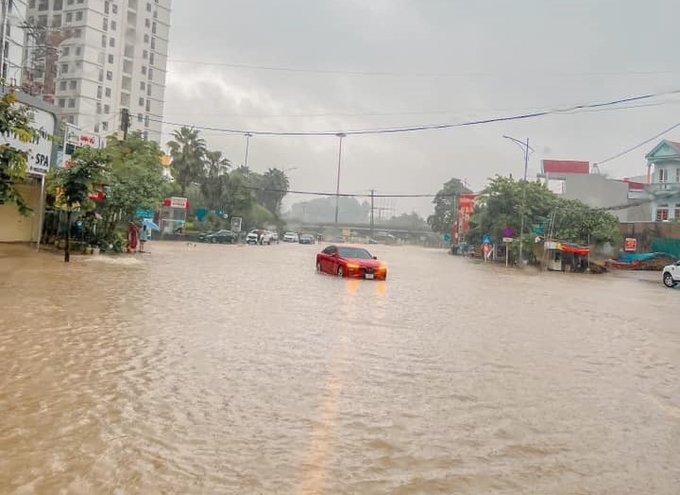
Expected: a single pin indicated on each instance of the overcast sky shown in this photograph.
(442, 61)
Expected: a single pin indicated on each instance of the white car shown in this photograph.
(291, 237)
(671, 275)
(253, 237)
(274, 237)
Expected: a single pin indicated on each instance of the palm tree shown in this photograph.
(275, 185)
(213, 185)
(188, 152)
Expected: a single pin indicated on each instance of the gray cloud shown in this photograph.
(501, 57)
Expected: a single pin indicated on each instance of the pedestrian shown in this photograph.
(133, 235)
(143, 237)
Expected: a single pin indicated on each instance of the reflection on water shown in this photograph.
(225, 369)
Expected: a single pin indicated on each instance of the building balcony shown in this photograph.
(662, 186)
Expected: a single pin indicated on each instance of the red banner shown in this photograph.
(466, 203)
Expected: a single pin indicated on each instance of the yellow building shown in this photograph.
(15, 227)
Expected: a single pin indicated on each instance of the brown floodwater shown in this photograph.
(227, 369)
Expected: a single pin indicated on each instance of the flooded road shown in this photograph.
(224, 369)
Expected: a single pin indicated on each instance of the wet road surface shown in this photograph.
(226, 369)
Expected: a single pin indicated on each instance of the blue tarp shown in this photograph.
(630, 257)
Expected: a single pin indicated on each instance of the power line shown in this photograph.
(346, 195)
(426, 127)
(409, 74)
(646, 141)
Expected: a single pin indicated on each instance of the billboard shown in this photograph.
(466, 203)
(39, 150)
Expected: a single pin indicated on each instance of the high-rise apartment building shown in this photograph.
(12, 19)
(93, 58)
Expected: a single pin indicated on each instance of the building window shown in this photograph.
(113, 25)
(79, 51)
(79, 15)
(62, 86)
(96, 128)
(148, 7)
(99, 92)
(150, 74)
(148, 105)
(69, 17)
(80, 1)
(146, 38)
(79, 64)
(147, 22)
(105, 24)
(677, 212)
(114, 8)
(109, 75)
(140, 117)
(142, 85)
(62, 102)
(100, 58)
(151, 59)
(145, 54)
(144, 69)
(663, 175)
(106, 7)
(65, 51)
(73, 84)
(64, 68)
(77, 32)
(43, 5)
(662, 213)
(99, 108)
(677, 174)
(146, 121)
(148, 90)
(56, 21)
(69, 2)
(101, 75)
(71, 102)
(112, 42)
(105, 126)
(31, 4)
(141, 102)
(153, 43)
(153, 28)
(110, 58)
(108, 92)
(107, 109)
(58, 4)
(103, 41)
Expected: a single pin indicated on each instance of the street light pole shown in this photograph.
(248, 136)
(340, 136)
(527, 149)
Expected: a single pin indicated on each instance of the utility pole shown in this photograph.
(340, 136)
(5, 6)
(248, 136)
(125, 122)
(372, 210)
(524, 200)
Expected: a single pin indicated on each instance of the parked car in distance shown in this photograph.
(220, 237)
(307, 239)
(274, 237)
(350, 261)
(258, 236)
(671, 275)
(291, 237)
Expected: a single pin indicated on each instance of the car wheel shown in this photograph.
(341, 272)
(668, 280)
(318, 267)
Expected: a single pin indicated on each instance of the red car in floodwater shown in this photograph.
(350, 261)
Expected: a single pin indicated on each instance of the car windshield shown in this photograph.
(356, 253)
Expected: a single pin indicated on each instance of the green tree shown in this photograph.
(237, 198)
(15, 120)
(445, 204)
(188, 151)
(213, 184)
(273, 187)
(135, 179)
(500, 206)
(72, 185)
(408, 221)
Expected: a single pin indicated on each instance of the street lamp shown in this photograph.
(248, 136)
(340, 136)
(527, 149)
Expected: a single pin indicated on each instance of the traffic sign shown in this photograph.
(144, 213)
(486, 239)
(236, 224)
(447, 237)
(508, 232)
(507, 239)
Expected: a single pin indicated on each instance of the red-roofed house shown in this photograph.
(572, 179)
(560, 167)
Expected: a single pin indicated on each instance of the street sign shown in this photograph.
(447, 237)
(236, 224)
(508, 232)
(144, 213)
(201, 213)
(486, 239)
(507, 239)
(630, 244)
(177, 202)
